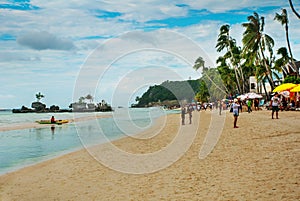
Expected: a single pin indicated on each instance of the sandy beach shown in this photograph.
(258, 161)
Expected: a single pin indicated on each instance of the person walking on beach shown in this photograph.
(235, 111)
(241, 105)
(190, 110)
(220, 104)
(275, 101)
(256, 104)
(183, 111)
(249, 105)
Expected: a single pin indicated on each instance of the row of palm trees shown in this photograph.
(255, 58)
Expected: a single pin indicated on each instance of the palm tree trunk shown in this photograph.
(269, 74)
(264, 86)
(243, 78)
(237, 80)
(293, 9)
(290, 49)
(234, 67)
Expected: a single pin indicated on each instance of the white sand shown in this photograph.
(258, 161)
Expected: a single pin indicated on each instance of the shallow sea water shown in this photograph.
(20, 148)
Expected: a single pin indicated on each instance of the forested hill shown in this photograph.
(169, 91)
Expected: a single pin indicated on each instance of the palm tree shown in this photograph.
(233, 54)
(89, 97)
(81, 99)
(261, 77)
(203, 94)
(293, 9)
(39, 96)
(283, 19)
(227, 75)
(211, 78)
(256, 42)
(199, 63)
(283, 60)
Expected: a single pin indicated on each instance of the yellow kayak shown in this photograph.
(59, 122)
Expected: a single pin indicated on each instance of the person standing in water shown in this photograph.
(52, 120)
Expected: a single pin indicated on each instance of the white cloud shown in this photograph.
(74, 24)
(6, 96)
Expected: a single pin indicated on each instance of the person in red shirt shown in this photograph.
(53, 120)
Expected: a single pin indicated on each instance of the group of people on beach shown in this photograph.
(188, 109)
(235, 108)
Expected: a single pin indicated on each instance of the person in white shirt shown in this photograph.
(275, 101)
(235, 111)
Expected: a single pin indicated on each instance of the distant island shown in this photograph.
(80, 106)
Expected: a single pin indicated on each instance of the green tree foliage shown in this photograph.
(168, 91)
(211, 86)
(89, 97)
(81, 99)
(255, 58)
(234, 67)
(292, 79)
(232, 56)
(283, 19)
(39, 96)
(203, 94)
(258, 45)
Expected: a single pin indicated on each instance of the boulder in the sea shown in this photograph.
(38, 106)
(54, 108)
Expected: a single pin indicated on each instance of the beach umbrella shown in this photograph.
(284, 87)
(296, 89)
(253, 95)
(242, 97)
(285, 93)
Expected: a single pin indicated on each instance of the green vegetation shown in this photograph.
(82, 106)
(255, 58)
(292, 79)
(39, 96)
(168, 91)
(231, 76)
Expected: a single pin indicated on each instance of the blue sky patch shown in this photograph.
(107, 14)
(18, 5)
(94, 37)
(6, 37)
(197, 16)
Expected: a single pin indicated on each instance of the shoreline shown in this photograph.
(18, 126)
(65, 152)
(258, 161)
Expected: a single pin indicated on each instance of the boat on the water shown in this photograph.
(59, 122)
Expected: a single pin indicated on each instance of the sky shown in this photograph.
(114, 50)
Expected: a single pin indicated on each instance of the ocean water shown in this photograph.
(20, 148)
